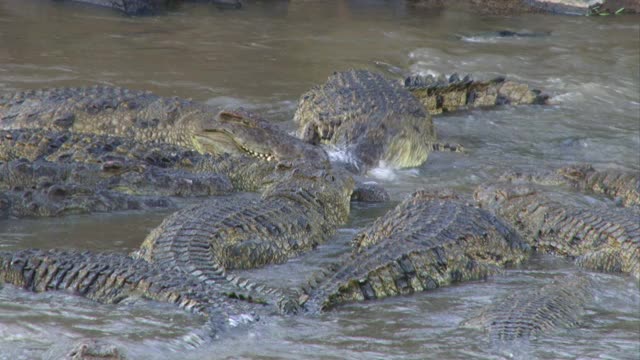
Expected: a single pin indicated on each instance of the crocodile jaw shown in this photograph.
(220, 142)
(406, 151)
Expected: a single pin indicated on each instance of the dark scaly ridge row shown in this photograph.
(136, 114)
(110, 278)
(242, 233)
(372, 117)
(112, 175)
(618, 185)
(535, 312)
(427, 241)
(246, 173)
(441, 94)
(600, 238)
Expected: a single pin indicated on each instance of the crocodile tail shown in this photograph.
(443, 94)
(286, 300)
(313, 292)
(446, 147)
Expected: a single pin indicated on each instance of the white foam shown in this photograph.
(389, 173)
(384, 173)
(241, 319)
(339, 154)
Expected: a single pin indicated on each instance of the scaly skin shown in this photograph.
(111, 278)
(68, 199)
(93, 349)
(246, 172)
(620, 186)
(133, 167)
(428, 241)
(296, 213)
(536, 312)
(113, 176)
(42, 188)
(605, 239)
(440, 95)
(373, 118)
(146, 117)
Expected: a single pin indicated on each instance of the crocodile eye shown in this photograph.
(284, 165)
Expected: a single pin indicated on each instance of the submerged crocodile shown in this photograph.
(599, 238)
(150, 7)
(428, 241)
(531, 313)
(621, 186)
(505, 34)
(110, 278)
(43, 188)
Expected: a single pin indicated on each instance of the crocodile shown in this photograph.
(296, 213)
(599, 238)
(512, 34)
(145, 117)
(532, 313)
(621, 186)
(97, 124)
(43, 188)
(373, 118)
(111, 278)
(69, 199)
(247, 171)
(22, 174)
(150, 7)
(429, 240)
(442, 94)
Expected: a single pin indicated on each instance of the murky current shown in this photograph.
(263, 57)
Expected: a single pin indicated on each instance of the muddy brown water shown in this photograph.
(263, 57)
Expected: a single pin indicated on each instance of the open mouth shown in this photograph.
(220, 142)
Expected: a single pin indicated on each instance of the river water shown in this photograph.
(263, 57)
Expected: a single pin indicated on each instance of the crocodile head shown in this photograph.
(241, 132)
(398, 142)
(372, 118)
(324, 188)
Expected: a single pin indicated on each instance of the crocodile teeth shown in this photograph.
(267, 157)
